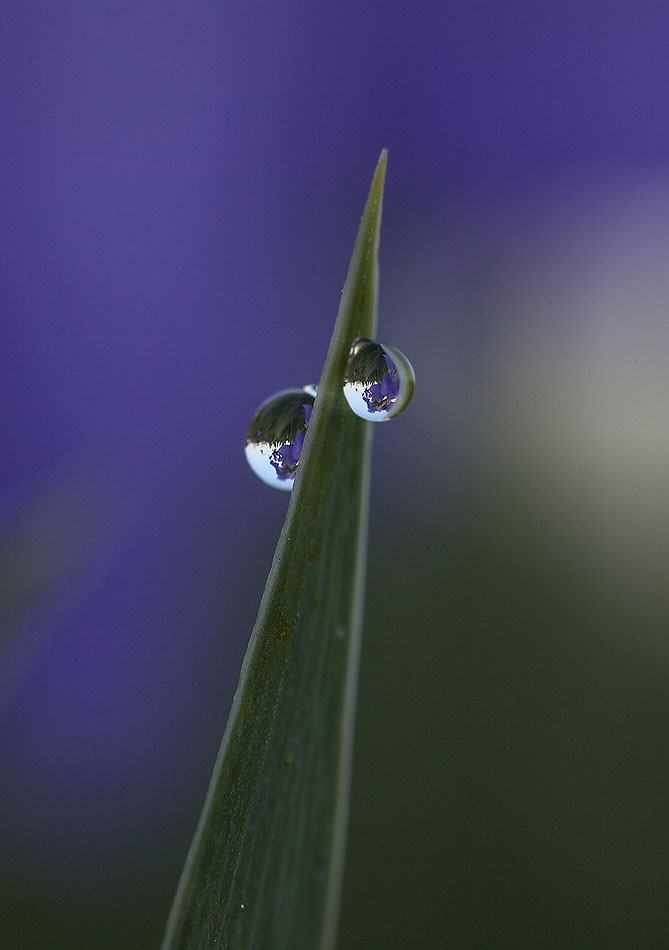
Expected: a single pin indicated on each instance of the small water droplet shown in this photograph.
(379, 381)
(276, 434)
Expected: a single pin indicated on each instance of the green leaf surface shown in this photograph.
(264, 868)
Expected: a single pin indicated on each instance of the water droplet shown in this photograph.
(379, 381)
(276, 434)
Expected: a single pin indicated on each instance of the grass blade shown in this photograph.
(264, 868)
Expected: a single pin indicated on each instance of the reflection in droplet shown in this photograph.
(276, 434)
(379, 381)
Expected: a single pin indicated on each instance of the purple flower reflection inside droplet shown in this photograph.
(379, 396)
(284, 459)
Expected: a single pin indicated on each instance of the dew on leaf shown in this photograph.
(379, 381)
(275, 436)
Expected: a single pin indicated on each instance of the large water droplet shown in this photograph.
(276, 434)
(379, 381)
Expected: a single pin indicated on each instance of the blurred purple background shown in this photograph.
(182, 184)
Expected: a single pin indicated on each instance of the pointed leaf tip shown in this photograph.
(265, 865)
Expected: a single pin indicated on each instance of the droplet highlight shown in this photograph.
(379, 381)
(275, 436)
